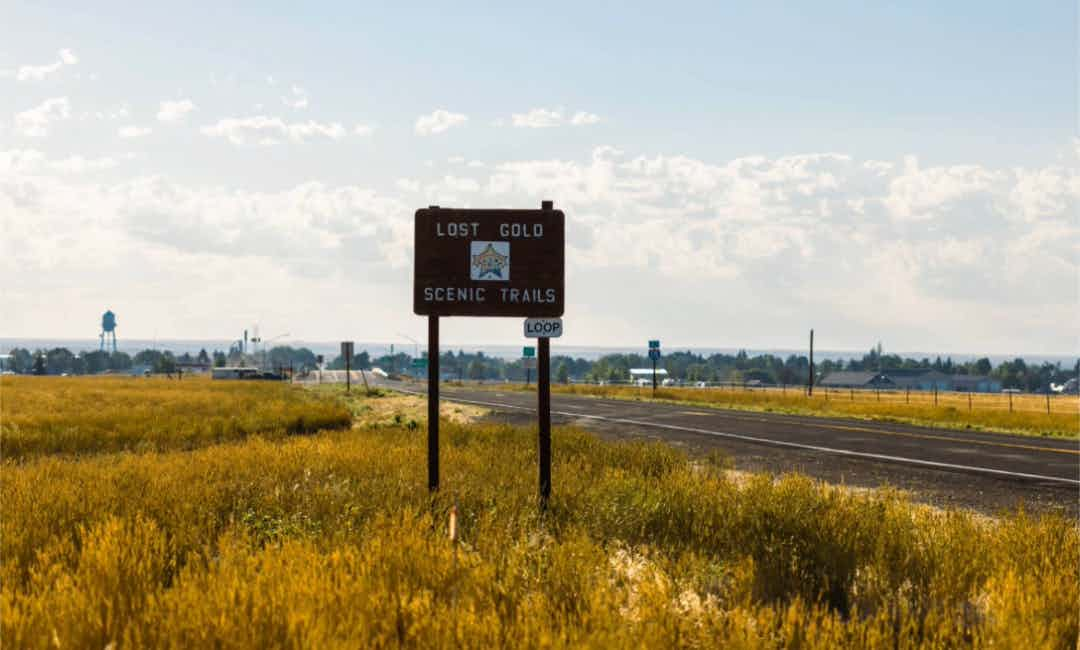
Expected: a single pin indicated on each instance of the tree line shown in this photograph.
(685, 366)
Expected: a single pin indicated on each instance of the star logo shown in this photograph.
(490, 260)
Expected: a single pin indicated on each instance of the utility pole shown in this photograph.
(810, 379)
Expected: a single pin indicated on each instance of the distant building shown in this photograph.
(232, 372)
(194, 367)
(643, 376)
(910, 379)
(848, 379)
(1070, 387)
(916, 379)
(976, 384)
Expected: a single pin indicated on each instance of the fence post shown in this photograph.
(1048, 402)
(969, 401)
(852, 394)
(1010, 402)
(935, 394)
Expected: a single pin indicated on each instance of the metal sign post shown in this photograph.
(527, 355)
(489, 263)
(433, 403)
(654, 354)
(543, 403)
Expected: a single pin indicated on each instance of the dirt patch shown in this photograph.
(390, 409)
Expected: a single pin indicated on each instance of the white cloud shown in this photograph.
(543, 118)
(35, 122)
(263, 130)
(133, 131)
(460, 184)
(902, 239)
(175, 110)
(33, 162)
(363, 130)
(120, 112)
(967, 256)
(40, 72)
(582, 118)
(297, 98)
(438, 122)
(537, 118)
(407, 185)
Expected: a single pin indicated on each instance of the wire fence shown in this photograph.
(960, 400)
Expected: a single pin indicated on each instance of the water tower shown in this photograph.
(108, 330)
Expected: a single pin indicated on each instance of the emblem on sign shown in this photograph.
(490, 260)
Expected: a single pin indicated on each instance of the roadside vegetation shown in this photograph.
(84, 415)
(952, 411)
(331, 540)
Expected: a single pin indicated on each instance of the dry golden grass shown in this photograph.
(50, 415)
(332, 541)
(951, 412)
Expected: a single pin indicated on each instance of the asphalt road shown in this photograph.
(996, 469)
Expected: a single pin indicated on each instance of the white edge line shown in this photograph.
(779, 443)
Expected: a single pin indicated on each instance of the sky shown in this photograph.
(732, 174)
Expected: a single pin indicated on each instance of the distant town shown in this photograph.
(873, 370)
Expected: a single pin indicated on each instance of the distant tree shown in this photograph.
(147, 358)
(39, 363)
(21, 360)
(477, 369)
(60, 361)
(220, 359)
(758, 375)
(203, 357)
(563, 374)
(982, 367)
(119, 361)
(95, 362)
(165, 363)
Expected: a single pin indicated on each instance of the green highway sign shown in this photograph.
(654, 344)
(528, 351)
(419, 363)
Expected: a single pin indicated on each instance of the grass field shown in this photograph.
(952, 410)
(331, 540)
(83, 415)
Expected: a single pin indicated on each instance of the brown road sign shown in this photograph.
(489, 263)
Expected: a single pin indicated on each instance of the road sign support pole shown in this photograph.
(810, 379)
(433, 404)
(348, 374)
(543, 390)
(654, 377)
